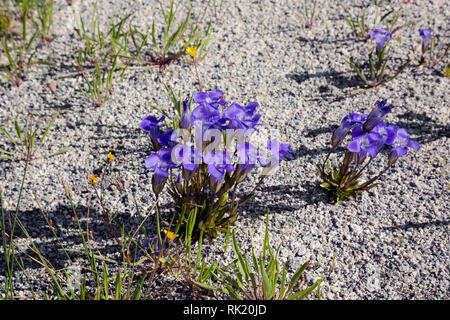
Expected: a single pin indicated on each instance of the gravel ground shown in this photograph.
(391, 244)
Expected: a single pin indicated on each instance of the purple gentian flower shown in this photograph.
(185, 120)
(212, 98)
(376, 115)
(218, 163)
(242, 117)
(207, 115)
(179, 183)
(187, 156)
(380, 36)
(160, 162)
(364, 143)
(399, 140)
(426, 35)
(168, 138)
(382, 132)
(347, 123)
(279, 151)
(247, 158)
(152, 246)
(152, 125)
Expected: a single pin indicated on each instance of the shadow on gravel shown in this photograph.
(326, 40)
(67, 232)
(310, 194)
(420, 125)
(119, 140)
(337, 79)
(305, 152)
(437, 223)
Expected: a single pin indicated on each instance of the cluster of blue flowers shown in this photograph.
(209, 120)
(370, 134)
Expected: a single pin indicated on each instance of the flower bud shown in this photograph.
(158, 182)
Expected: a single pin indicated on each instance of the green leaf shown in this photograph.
(48, 129)
(400, 70)
(386, 15)
(325, 185)
(266, 235)
(353, 66)
(243, 268)
(283, 283)
(204, 285)
(6, 158)
(12, 64)
(234, 282)
(267, 288)
(161, 111)
(118, 287)
(137, 292)
(296, 276)
(105, 279)
(17, 128)
(300, 295)
(60, 151)
(7, 152)
(153, 34)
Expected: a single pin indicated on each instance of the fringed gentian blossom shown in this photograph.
(160, 162)
(153, 125)
(376, 115)
(153, 247)
(370, 136)
(426, 35)
(399, 140)
(218, 163)
(242, 117)
(347, 123)
(380, 36)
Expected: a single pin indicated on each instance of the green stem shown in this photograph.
(198, 77)
(357, 173)
(326, 158)
(100, 199)
(158, 230)
(367, 183)
(10, 252)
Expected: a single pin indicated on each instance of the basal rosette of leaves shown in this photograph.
(205, 153)
(370, 136)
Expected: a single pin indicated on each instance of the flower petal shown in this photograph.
(413, 144)
(354, 146)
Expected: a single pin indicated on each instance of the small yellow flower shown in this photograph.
(192, 51)
(170, 234)
(94, 179)
(110, 156)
